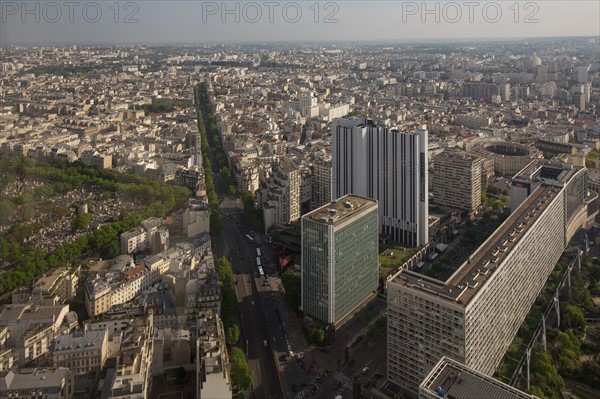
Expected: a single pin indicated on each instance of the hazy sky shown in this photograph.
(193, 21)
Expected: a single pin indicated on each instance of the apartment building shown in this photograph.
(103, 291)
(340, 267)
(9, 358)
(488, 296)
(246, 176)
(196, 218)
(84, 352)
(390, 166)
(321, 190)
(133, 373)
(56, 286)
(212, 362)
(133, 241)
(457, 180)
(282, 195)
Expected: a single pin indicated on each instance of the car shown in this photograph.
(252, 302)
(283, 357)
(377, 375)
(236, 282)
(264, 342)
(365, 370)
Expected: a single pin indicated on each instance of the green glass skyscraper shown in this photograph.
(339, 259)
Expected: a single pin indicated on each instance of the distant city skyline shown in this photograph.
(177, 22)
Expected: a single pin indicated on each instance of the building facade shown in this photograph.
(321, 191)
(282, 195)
(488, 296)
(390, 166)
(34, 383)
(457, 180)
(339, 259)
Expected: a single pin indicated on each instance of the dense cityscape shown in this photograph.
(296, 220)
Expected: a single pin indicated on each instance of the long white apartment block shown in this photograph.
(474, 315)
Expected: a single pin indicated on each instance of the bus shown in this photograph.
(257, 251)
(249, 238)
(261, 272)
(258, 261)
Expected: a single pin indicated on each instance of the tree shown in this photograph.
(537, 391)
(232, 334)
(81, 222)
(6, 209)
(574, 319)
(224, 271)
(316, 335)
(292, 283)
(216, 223)
(545, 374)
(27, 212)
(240, 370)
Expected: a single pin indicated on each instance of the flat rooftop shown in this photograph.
(474, 273)
(548, 172)
(451, 379)
(340, 210)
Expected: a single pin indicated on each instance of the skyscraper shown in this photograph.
(388, 165)
(339, 259)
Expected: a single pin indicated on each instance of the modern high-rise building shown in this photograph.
(474, 315)
(583, 73)
(457, 180)
(390, 166)
(340, 267)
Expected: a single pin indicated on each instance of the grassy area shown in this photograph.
(591, 158)
(391, 258)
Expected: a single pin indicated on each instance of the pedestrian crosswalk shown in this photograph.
(343, 378)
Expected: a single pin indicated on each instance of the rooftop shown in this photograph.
(550, 173)
(338, 211)
(49, 380)
(474, 273)
(451, 379)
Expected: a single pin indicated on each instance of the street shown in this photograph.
(257, 318)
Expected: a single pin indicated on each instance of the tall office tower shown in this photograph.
(542, 73)
(390, 166)
(474, 315)
(339, 259)
(457, 180)
(505, 91)
(582, 73)
(321, 190)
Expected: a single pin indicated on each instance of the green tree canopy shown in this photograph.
(240, 370)
(232, 334)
